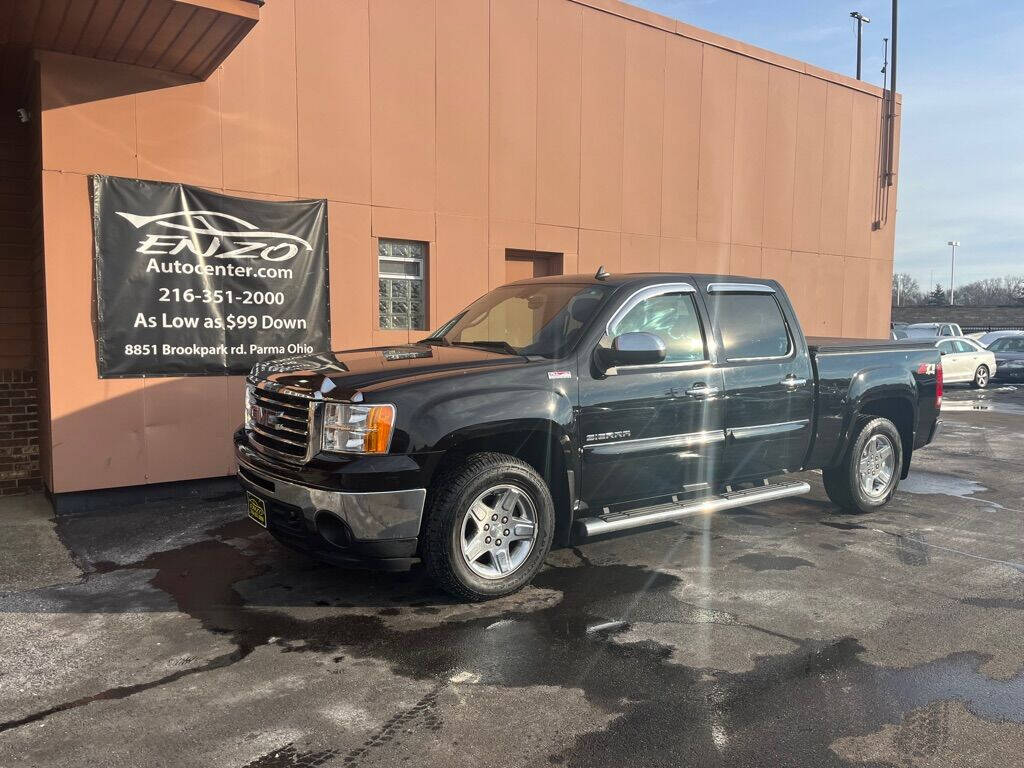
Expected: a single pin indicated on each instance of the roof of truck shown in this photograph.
(629, 278)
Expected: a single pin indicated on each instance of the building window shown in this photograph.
(401, 266)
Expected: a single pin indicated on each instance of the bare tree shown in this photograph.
(991, 291)
(906, 291)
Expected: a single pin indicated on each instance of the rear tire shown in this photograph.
(869, 473)
(981, 377)
(463, 500)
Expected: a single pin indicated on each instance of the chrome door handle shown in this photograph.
(793, 381)
(702, 390)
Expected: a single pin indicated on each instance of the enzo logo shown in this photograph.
(203, 235)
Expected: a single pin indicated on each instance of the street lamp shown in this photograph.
(952, 260)
(861, 20)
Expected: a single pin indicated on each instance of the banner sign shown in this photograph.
(190, 282)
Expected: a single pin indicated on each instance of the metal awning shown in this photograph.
(187, 37)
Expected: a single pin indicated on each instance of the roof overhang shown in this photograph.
(187, 37)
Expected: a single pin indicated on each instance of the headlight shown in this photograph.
(248, 408)
(357, 428)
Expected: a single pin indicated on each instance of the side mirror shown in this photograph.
(636, 348)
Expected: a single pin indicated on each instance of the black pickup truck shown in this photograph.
(558, 409)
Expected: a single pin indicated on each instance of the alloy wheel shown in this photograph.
(877, 466)
(499, 531)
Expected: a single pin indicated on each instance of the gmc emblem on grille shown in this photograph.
(261, 415)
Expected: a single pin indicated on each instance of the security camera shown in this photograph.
(24, 115)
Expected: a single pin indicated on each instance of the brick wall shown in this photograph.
(22, 326)
(19, 431)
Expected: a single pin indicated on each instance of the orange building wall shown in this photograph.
(585, 127)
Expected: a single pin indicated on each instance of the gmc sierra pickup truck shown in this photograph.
(558, 409)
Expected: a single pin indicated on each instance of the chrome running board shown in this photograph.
(636, 518)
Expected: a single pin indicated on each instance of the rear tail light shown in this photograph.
(938, 385)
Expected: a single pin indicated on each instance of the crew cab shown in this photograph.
(559, 409)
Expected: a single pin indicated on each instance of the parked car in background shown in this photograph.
(986, 338)
(896, 334)
(925, 330)
(1009, 354)
(964, 360)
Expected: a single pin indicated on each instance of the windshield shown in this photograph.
(543, 319)
(922, 333)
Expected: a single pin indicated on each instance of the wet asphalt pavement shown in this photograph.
(782, 634)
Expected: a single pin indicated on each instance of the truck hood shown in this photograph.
(339, 375)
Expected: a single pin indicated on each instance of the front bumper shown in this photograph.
(376, 529)
(1008, 373)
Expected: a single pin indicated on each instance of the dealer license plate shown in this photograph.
(257, 509)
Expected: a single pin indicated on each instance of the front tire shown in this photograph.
(490, 522)
(981, 377)
(869, 473)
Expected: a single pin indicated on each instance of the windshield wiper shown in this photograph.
(431, 341)
(502, 346)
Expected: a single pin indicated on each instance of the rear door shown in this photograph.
(769, 382)
(956, 365)
(652, 430)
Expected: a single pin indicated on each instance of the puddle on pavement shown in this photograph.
(759, 561)
(982, 403)
(922, 482)
(664, 708)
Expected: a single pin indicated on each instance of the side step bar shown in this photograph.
(662, 513)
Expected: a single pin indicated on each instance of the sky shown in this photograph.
(961, 74)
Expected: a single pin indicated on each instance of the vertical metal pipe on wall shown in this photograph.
(892, 98)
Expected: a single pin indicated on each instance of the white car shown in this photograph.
(965, 360)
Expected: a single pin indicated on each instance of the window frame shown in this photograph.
(422, 277)
(650, 292)
(747, 289)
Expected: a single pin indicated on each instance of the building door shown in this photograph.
(523, 265)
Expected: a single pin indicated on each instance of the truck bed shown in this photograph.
(829, 344)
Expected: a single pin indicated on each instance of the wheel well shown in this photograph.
(541, 450)
(900, 413)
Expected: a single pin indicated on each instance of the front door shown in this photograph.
(651, 431)
(769, 381)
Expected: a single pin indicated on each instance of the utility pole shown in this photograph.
(861, 21)
(952, 260)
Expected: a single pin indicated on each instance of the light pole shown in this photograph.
(861, 20)
(952, 261)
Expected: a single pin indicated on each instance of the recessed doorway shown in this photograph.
(522, 265)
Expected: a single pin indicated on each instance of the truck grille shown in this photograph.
(280, 424)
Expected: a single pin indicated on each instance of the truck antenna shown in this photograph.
(601, 274)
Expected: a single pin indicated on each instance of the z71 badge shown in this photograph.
(559, 374)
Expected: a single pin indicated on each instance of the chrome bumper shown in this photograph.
(370, 516)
